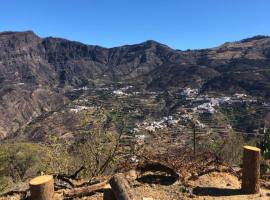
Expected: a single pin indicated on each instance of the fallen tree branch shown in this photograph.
(59, 186)
(23, 194)
(93, 181)
(265, 184)
(67, 178)
(75, 175)
(72, 176)
(84, 191)
(64, 178)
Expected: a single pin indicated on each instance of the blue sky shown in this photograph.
(181, 24)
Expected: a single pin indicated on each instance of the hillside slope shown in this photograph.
(37, 74)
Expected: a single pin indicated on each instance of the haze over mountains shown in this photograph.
(37, 74)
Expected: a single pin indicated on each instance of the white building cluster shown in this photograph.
(77, 109)
(161, 124)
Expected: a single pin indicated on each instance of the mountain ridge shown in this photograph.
(30, 32)
(32, 68)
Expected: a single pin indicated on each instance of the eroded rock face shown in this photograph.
(21, 105)
(36, 72)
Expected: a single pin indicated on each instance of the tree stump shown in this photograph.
(251, 170)
(42, 188)
(121, 188)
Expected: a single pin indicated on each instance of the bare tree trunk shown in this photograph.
(194, 139)
(251, 170)
(42, 188)
(121, 188)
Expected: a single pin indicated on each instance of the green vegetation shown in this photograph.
(15, 159)
(229, 148)
(98, 146)
(243, 116)
(21, 160)
(95, 148)
(264, 143)
(18, 160)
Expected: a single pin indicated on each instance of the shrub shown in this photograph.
(264, 143)
(96, 149)
(98, 144)
(229, 148)
(19, 161)
(17, 158)
(22, 160)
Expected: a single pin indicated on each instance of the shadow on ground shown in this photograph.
(157, 179)
(213, 191)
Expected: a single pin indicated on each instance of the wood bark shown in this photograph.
(121, 188)
(42, 188)
(85, 191)
(108, 194)
(251, 170)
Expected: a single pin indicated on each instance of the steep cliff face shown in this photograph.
(26, 81)
(22, 104)
(22, 59)
(77, 63)
(36, 73)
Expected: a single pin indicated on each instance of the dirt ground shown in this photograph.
(214, 185)
(223, 186)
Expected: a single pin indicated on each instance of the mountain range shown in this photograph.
(37, 74)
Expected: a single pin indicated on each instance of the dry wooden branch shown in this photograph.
(75, 175)
(265, 184)
(84, 191)
(23, 194)
(64, 179)
(67, 179)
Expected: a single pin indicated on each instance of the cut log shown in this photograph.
(108, 193)
(85, 191)
(131, 175)
(121, 188)
(42, 188)
(251, 170)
